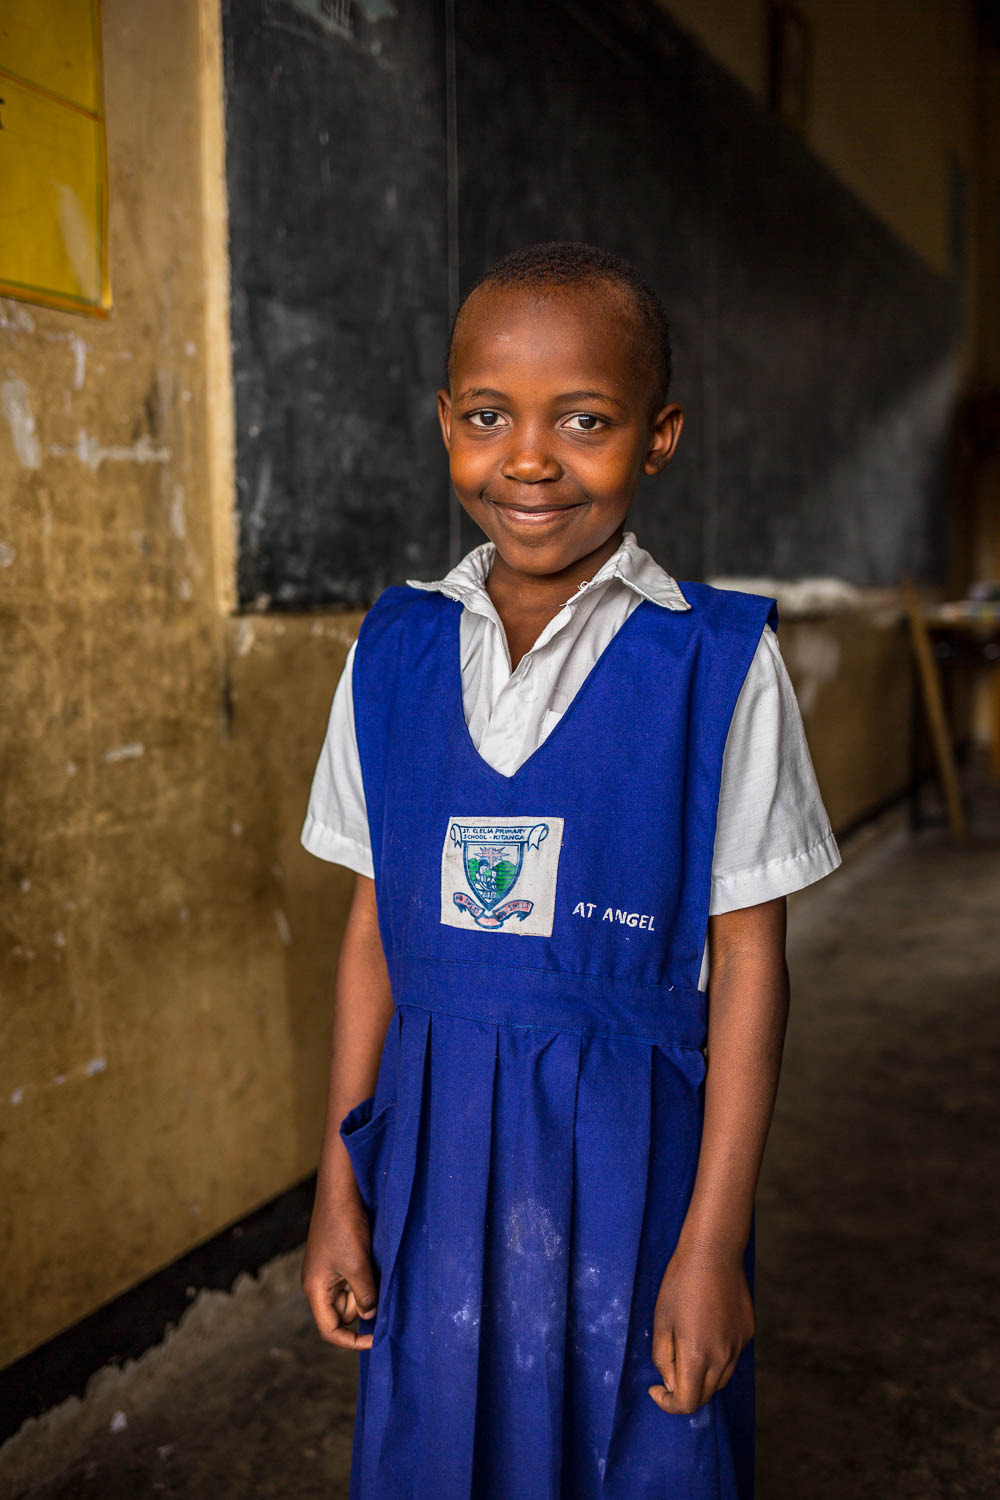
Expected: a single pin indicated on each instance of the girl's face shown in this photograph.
(548, 423)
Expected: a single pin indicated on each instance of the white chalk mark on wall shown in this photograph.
(243, 637)
(17, 411)
(92, 453)
(178, 524)
(123, 752)
(284, 931)
(91, 1069)
(79, 361)
(13, 315)
(7, 555)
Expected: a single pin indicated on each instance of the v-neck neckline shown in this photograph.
(458, 703)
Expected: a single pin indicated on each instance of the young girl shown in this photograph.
(575, 793)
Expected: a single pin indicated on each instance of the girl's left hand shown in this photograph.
(703, 1320)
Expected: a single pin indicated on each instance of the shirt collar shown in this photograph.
(631, 565)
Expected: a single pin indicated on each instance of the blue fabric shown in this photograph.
(529, 1152)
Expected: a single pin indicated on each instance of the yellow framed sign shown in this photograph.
(53, 156)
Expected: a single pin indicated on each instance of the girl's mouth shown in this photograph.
(531, 515)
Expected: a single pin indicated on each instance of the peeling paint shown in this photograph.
(244, 637)
(178, 522)
(93, 453)
(281, 922)
(95, 1066)
(16, 405)
(184, 589)
(13, 315)
(8, 555)
(17, 1097)
(79, 361)
(124, 752)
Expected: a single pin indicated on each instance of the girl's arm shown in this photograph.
(337, 1272)
(704, 1314)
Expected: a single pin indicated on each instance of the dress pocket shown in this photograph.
(368, 1138)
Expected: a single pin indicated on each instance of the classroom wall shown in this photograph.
(167, 944)
(164, 978)
(891, 86)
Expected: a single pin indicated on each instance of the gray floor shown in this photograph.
(877, 1233)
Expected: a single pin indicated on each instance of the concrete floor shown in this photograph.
(879, 1256)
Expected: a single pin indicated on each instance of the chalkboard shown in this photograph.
(812, 348)
(338, 245)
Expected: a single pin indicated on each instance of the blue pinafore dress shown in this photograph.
(530, 1149)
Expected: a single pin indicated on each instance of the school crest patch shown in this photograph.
(500, 875)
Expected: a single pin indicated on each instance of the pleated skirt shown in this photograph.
(526, 1187)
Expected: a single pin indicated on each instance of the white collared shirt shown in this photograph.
(773, 835)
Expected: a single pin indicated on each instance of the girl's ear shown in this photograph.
(444, 417)
(667, 426)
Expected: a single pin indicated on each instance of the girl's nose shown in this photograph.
(529, 462)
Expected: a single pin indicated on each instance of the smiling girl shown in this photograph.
(575, 794)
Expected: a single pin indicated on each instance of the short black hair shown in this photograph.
(575, 263)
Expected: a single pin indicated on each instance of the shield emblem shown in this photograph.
(490, 864)
(492, 870)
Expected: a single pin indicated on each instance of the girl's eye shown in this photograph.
(486, 419)
(587, 421)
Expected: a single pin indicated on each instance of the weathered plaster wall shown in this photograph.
(855, 688)
(166, 945)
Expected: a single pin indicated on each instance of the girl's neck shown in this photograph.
(526, 602)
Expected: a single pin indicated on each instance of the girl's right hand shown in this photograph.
(337, 1275)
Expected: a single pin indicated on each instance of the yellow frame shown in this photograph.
(56, 297)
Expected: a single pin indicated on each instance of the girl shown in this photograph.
(575, 794)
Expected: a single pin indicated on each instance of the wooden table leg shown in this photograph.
(930, 683)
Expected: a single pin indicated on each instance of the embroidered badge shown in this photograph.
(499, 873)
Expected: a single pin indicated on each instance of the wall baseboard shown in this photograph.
(128, 1326)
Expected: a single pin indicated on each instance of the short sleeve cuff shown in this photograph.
(779, 877)
(327, 843)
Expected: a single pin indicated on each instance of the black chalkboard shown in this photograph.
(812, 348)
(338, 243)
